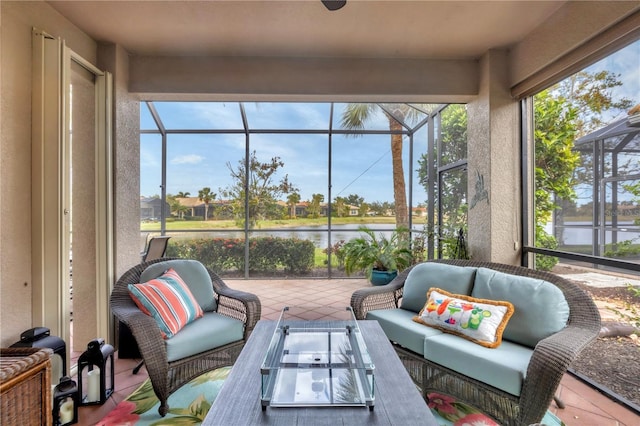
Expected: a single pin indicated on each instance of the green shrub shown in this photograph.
(622, 249)
(266, 254)
(299, 255)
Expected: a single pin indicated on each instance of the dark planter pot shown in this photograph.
(382, 277)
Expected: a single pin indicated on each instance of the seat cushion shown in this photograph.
(400, 328)
(540, 307)
(211, 331)
(454, 279)
(504, 367)
(194, 274)
(168, 300)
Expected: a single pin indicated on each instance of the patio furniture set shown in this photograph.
(539, 322)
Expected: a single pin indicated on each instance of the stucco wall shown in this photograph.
(126, 157)
(493, 174)
(17, 21)
(329, 79)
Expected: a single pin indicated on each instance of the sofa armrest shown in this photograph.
(378, 297)
(550, 360)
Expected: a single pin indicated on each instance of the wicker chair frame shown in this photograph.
(549, 362)
(165, 376)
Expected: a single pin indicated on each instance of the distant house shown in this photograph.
(301, 209)
(151, 208)
(197, 206)
(419, 211)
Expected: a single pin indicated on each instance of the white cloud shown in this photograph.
(187, 159)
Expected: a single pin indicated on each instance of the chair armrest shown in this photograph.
(378, 297)
(144, 328)
(148, 338)
(237, 304)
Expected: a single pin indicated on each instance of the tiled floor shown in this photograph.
(584, 405)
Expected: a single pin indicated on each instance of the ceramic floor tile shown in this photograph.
(574, 416)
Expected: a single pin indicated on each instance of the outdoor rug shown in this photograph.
(190, 404)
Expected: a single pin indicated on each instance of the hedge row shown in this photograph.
(266, 254)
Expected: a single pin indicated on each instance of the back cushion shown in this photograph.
(454, 279)
(193, 273)
(540, 308)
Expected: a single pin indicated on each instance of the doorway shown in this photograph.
(71, 189)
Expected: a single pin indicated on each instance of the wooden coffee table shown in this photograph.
(397, 400)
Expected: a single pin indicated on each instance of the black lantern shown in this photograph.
(96, 373)
(39, 337)
(65, 402)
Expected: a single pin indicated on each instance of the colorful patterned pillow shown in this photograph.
(479, 320)
(168, 300)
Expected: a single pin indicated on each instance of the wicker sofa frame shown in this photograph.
(550, 360)
(165, 376)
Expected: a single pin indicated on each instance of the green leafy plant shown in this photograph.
(622, 248)
(336, 250)
(454, 245)
(379, 252)
(544, 240)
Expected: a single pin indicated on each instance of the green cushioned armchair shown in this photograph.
(216, 339)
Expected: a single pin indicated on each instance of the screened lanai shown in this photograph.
(604, 220)
(317, 172)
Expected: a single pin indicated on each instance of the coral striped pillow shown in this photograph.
(168, 300)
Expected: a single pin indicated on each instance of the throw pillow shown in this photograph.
(168, 300)
(479, 320)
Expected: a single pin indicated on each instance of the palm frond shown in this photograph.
(355, 116)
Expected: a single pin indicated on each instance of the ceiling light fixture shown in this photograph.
(334, 4)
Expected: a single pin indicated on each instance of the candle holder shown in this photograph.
(39, 337)
(96, 373)
(65, 402)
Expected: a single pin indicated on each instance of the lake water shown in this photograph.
(581, 233)
(573, 233)
(320, 236)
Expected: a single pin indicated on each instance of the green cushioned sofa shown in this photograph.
(553, 321)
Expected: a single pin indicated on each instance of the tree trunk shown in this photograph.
(616, 329)
(399, 187)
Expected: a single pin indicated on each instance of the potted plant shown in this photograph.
(380, 257)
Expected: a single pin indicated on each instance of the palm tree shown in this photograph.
(206, 196)
(292, 201)
(181, 210)
(182, 194)
(355, 116)
(176, 206)
(313, 210)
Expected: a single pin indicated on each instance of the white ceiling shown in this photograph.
(305, 28)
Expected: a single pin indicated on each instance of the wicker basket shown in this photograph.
(25, 386)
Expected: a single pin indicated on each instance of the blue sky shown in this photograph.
(625, 62)
(361, 165)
